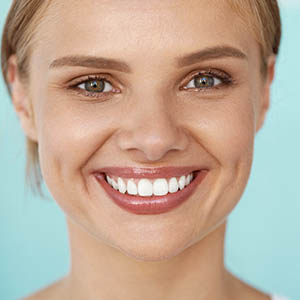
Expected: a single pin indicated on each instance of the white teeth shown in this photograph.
(122, 185)
(145, 187)
(108, 180)
(181, 182)
(160, 187)
(173, 185)
(187, 180)
(114, 184)
(131, 187)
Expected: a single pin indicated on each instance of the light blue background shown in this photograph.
(263, 238)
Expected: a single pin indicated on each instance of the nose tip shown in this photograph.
(150, 137)
(150, 144)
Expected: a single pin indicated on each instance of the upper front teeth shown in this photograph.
(146, 187)
(160, 187)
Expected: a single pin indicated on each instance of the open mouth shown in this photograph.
(146, 187)
(148, 195)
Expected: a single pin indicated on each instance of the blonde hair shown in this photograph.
(262, 16)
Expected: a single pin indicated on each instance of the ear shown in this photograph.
(20, 98)
(266, 91)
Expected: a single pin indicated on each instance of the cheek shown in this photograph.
(69, 133)
(234, 130)
(226, 129)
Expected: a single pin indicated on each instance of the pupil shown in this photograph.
(204, 81)
(95, 86)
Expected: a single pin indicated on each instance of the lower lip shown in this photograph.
(154, 204)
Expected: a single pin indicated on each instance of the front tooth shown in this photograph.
(173, 185)
(131, 187)
(181, 182)
(145, 187)
(160, 187)
(114, 184)
(122, 185)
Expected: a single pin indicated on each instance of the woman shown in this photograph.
(142, 118)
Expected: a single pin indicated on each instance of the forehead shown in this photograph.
(136, 29)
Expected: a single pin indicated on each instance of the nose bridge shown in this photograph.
(151, 128)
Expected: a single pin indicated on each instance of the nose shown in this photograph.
(151, 131)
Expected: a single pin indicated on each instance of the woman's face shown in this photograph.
(148, 112)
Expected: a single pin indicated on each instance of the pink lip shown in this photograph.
(149, 172)
(153, 204)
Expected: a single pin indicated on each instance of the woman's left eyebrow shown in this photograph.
(210, 53)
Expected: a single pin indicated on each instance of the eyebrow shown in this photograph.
(91, 62)
(211, 53)
(118, 65)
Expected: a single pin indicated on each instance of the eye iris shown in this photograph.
(203, 81)
(95, 85)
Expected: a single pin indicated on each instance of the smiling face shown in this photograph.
(147, 85)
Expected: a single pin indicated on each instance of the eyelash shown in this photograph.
(81, 92)
(225, 78)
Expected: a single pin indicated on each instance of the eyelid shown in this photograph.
(93, 79)
(83, 79)
(73, 85)
(221, 75)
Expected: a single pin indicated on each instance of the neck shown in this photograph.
(99, 271)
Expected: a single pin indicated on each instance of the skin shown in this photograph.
(151, 122)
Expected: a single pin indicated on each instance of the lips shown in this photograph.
(150, 204)
(149, 172)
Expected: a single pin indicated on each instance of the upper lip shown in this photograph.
(136, 172)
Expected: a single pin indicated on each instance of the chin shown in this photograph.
(155, 248)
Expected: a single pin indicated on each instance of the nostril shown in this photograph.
(151, 140)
